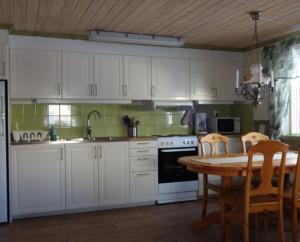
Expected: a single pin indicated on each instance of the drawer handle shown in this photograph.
(143, 174)
(143, 143)
(143, 151)
(145, 158)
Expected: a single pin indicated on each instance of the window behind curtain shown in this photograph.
(295, 107)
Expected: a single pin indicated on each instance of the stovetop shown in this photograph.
(177, 141)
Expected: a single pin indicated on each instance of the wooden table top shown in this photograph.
(200, 164)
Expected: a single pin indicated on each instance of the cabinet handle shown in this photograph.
(91, 89)
(152, 91)
(58, 89)
(125, 90)
(143, 174)
(143, 143)
(95, 90)
(100, 151)
(145, 158)
(95, 154)
(61, 153)
(2, 134)
(3, 65)
(142, 151)
(214, 92)
(2, 105)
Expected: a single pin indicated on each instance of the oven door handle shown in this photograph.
(177, 150)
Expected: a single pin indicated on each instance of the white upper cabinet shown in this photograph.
(113, 173)
(203, 80)
(35, 73)
(170, 79)
(213, 80)
(4, 67)
(108, 76)
(81, 175)
(77, 75)
(137, 77)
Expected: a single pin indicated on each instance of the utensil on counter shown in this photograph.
(131, 123)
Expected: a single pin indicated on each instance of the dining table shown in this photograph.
(228, 166)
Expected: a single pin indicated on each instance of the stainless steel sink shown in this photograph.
(106, 139)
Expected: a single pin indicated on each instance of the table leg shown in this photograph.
(213, 217)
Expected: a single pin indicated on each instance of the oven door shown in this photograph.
(169, 170)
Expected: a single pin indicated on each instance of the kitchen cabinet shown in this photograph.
(137, 77)
(35, 73)
(77, 75)
(4, 63)
(108, 77)
(143, 186)
(113, 173)
(143, 171)
(81, 175)
(170, 79)
(37, 178)
(213, 80)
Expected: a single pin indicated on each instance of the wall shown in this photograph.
(71, 120)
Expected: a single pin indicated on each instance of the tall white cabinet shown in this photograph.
(4, 54)
(170, 79)
(37, 178)
(81, 176)
(35, 73)
(113, 173)
(77, 75)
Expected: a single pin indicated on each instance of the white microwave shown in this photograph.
(224, 125)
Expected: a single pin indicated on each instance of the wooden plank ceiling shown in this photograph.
(210, 23)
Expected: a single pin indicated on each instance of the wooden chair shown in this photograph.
(239, 205)
(253, 138)
(292, 199)
(214, 140)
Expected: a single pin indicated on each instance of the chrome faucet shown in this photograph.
(89, 129)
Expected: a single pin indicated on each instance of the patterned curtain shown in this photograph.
(281, 57)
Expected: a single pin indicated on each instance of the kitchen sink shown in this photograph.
(106, 139)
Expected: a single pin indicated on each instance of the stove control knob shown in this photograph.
(167, 143)
(162, 143)
(192, 142)
(171, 143)
(183, 142)
(188, 142)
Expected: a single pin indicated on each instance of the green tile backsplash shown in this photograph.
(71, 120)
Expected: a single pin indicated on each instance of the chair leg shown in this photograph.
(246, 228)
(281, 225)
(266, 226)
(294, 224)
(256, 223)
(228, 236)
(205, 195)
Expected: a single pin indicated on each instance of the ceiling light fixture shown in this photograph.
(143, 39)
(255, 85)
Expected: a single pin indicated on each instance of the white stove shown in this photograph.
(175, 182)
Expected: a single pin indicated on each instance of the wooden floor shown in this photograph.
(165, 223)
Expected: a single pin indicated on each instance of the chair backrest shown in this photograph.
(267, 149)
(214, 140)
(253, 138)
(296, 183)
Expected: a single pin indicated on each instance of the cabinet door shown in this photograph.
(137, 77)
(81, 175)
(35, 73)
(37, 178)
(170, 79)
(204, 84)
(143, 186)
(114, 174)
(4, 65)
(77, 75)
(108, 76)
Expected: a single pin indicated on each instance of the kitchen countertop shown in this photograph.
(84, 140)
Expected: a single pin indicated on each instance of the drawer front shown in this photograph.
(146, 163)
(143, 152)
(143, 144)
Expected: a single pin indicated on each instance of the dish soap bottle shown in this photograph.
(53, 134)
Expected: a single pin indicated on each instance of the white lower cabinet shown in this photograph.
(37, 178)
(113, 173)
(143, 186)
(81, 176)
